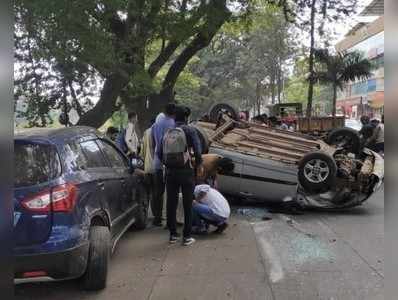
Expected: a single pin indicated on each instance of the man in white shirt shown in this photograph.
(209, 208)
(131, 137)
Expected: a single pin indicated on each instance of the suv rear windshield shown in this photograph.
(35, 164)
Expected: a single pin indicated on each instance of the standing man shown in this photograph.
(148, 150)
(147, 153)
(176, 147)
(164, 121)
(366, 131)
(131, 137)
(377, 138)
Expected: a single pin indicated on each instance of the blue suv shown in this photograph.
(75, 194)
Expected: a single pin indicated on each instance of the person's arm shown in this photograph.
(144, 145)
(197, 149)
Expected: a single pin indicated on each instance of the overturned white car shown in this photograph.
(275, 165)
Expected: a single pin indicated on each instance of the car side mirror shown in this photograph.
(136, 163)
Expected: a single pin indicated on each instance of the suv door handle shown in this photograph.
(101, 185)
(246, 194)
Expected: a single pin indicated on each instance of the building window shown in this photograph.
(380, 84)
(359, 88)
(371, 85)
(378, 62)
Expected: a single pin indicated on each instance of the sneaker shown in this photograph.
(174, 238)
(188, 241)
(221, 228)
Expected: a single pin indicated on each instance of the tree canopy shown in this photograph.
(341, 68)
(91, 52)
(96, 55)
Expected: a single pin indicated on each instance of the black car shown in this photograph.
(75, 194)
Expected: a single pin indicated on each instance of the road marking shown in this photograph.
(269, 254)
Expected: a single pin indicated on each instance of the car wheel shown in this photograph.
(141, 217)
(317, 172)
(98, 259)
(222, 108)
(346, 138)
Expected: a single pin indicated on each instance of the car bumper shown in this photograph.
(67, 264)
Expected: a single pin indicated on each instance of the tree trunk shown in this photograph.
(311, 62)
(279, 83)
(272, 83)
(334, 103)
(105, 106)
(258, 97)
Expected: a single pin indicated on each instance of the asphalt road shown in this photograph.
(310, 256)
(325, 255)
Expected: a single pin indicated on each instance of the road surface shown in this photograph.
(310, 256)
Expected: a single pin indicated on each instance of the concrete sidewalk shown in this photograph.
(306, 257)
(145, 266)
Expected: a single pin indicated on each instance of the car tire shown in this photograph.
(222, 107)
(347, 138)
(322, 178)
(96, 272)
(141, 217)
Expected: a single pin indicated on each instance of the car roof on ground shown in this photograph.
(54, 133)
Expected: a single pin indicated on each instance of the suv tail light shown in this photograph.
(61, 199)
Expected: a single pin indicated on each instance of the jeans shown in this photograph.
(205, 213)
(379, 147)
(157, 199)
(176, 180)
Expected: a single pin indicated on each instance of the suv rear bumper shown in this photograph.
(67, 264)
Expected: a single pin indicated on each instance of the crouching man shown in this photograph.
(209, 208)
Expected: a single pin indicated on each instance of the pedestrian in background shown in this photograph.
(176, 147)
(366, 131)
(164, 121)
(131, 138)
(112, 133)
(377, 139)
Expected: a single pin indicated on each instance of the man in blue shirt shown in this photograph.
(163, 122)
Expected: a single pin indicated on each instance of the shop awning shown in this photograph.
(377, 100)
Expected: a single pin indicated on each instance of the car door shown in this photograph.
(230, 184)
(266, 179)
(125, 182)
(106, 180)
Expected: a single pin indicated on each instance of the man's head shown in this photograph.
(132, 116)
(182, 114)
(170, 110)
(201, 191)
(225, 166)
(112, 133)
(365, 120)
(375, 122)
